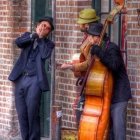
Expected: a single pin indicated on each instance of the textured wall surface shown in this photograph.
(14, 17)
(133, 50)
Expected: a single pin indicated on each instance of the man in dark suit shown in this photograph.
(30, 78)
(110, 55)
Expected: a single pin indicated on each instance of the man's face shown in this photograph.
(43, 29)
(94, 40)
(83, 27)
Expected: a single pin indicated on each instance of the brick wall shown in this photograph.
(14, 17)
(133, 39)
(68, 39)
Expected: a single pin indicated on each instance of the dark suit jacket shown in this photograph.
(45, 46)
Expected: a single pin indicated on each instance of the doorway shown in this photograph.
(41, 8)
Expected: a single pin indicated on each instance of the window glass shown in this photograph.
(103, 8)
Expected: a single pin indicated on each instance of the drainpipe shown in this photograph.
(56, 111)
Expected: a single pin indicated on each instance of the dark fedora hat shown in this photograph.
(95, 29)
(48, 19)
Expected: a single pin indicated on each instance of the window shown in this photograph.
(117, 30)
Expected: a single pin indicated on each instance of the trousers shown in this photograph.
(27, 100)
(118, 121)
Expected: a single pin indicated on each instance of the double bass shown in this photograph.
(97, 87)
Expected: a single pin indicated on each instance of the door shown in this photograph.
(41, 8)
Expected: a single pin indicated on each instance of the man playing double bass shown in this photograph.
(110, 56)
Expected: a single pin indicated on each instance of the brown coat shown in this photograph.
(81, 67)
